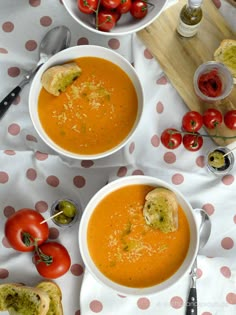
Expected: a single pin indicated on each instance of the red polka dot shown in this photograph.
(169, 157)
(31, 45)
(5, 243)
(206, 313)
(34, 3)
(138, 172)
(143, 303)
(79, 181)
(234, 219)
(3, 51)
(209, 208)
(53, 233)
(13, 72)
(217, 3)
(31, 138)
(228, 179)
(155, 141)
(176, 302)
(199, 273)
(8, 27)
(177, 179)
(200, 161)
(4, 177)
(41, 156)
(8, 211)
(227, 243)
(121, 296)
(114, 43)
(159, 107)
(17, 100)
(4, 273)
(83, 41)
(52, 181)
(41, 206)
(122, 171)
(147, 54)
(226, 272)
(14, 129)
(131, 147)
(9, 152)
(87, 163)
(96, 306)
(231, 298)
(45, 21)
(77, 312)
(77, 270)
(31, 174)
(162, 80)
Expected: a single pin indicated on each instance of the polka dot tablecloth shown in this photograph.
(33, 176)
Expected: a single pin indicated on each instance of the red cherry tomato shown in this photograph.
(52, 260)
(171, 138)
(192, 121)
(124, 6)
(23, 228)
(87, 6)
(139, 9)
(192, 142)
(105, 21)
(230, 119)
(212, 118)
(110, 4)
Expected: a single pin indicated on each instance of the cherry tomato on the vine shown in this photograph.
(212, 118)
(52, 260)
(139, 9)
(87, 6)
(110, 4)
(171, 138)
(124, 6)
(23, 230)
(105, 20)
(192, 142)
(192, 121)
(230, 119)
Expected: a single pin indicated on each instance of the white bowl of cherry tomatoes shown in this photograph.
(114, 17)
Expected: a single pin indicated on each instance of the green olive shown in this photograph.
(62, 219)
(69, 210)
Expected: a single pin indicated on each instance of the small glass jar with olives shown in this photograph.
(69, 211)
(220, 160)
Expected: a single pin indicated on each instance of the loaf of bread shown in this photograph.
(57, 78)
(23, 300)
(44, 299)
(161, 210)
(226, 53)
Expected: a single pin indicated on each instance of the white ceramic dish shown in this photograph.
(70, 54)
(126, 25)
(91, 267)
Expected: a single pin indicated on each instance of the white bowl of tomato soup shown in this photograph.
(122, 252)
(98, 112)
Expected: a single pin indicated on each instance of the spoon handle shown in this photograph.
(192, 302)
(8, 100)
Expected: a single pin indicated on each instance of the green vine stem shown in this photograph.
(47, 259)
(202, 135)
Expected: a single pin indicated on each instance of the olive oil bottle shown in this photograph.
(190, 18)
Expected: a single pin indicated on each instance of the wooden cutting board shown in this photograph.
(179, 57)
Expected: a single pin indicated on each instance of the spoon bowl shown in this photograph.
(204, 227)
(54, 41)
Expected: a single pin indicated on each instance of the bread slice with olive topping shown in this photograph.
(57, 78)
(18, 299)
(161, 210)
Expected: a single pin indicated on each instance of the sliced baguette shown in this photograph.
(161, 210)
(226, 53)
(55, 295)
(23, 300)
(57, 78)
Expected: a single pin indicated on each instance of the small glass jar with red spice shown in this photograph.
(212, 81)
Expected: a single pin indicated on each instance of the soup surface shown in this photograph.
(128, 251)
(95, 113)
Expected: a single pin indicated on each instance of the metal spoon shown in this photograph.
(204, 234)
(54, 41)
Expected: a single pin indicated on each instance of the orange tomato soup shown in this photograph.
(128, 251)
(95, 113)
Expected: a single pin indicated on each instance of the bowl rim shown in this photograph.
(81, 51)
(96, 273)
